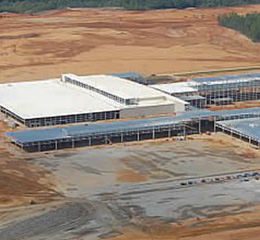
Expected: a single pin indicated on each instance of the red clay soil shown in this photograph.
(105, 41)
(22, 182)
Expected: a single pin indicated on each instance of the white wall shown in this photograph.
(146, 111)
(181, 106)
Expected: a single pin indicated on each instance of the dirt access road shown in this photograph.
(104, 41)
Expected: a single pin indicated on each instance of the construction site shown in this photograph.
(90, 150)
(104, 97)
(222, 90)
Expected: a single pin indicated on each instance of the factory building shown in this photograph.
(215, 90)
(74, 99)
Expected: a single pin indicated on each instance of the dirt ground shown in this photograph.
(129, 175)
(21, 182)
(105, 41)
(236, 105)
(236, 226)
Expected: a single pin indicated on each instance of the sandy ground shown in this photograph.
(104, 41)
(236, 105)
(22, 183)
(235, 226)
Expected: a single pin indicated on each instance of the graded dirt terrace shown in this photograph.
(106, 41)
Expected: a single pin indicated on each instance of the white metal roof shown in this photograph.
(172, 88)
(120, 87)
(51, 98)
(126, 89)
(54, 97)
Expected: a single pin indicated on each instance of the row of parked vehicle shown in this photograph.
(224, 178)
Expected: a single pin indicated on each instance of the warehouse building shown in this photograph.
(74, 99)
(215, 90)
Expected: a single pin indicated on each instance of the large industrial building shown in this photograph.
(74, 99)
(221, 90)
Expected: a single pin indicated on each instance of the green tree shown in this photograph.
(248, 25)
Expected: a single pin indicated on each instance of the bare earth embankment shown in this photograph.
(21, 182)
(96, 41)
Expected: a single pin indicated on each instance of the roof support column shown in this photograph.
(199, 126)
(214, 122)
(39, 146)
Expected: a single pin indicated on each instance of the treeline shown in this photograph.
(31, 6)
(248, 25)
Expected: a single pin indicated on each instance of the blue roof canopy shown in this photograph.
(56, 133)
(249, 127)
(128, 75)
(226, 77)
